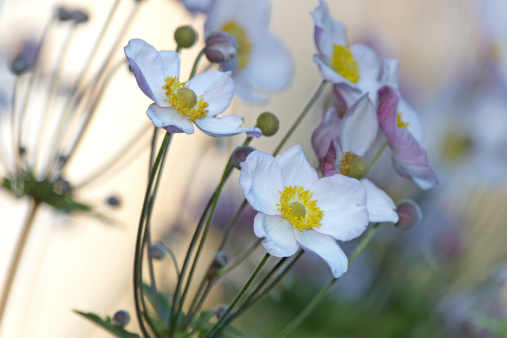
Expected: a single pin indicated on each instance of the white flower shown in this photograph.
(178, 105)
(263, 64)
(297, 209)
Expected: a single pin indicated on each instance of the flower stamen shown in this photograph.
(399, 121)
(244, 46)
(354, 166)
(297, 207)
(184, 100)
(343, 62)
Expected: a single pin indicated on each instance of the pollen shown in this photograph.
(244, 46)
(184, 100)
(299, 209)
(400, 123)
(343, 62)
(354, 166)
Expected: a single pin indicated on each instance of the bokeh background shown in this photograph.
(443, 278)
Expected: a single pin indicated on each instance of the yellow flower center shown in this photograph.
(456, 146)
(353, 166)
(343, 62)
(244, 46)
(297, 207)
(184, 100)
(399, 122)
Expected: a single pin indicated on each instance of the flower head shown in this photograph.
(263, 64)
(357, 132)
(179, 105)
(297, 209)
(354, 70)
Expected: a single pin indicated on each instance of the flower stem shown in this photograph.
(196, 63)
(377, 156)
(20, 247)
(139, 242)
(218, 325)
(303, 113)
(318, 297)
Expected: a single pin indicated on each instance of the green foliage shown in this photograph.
(108, 325)
(496, 326)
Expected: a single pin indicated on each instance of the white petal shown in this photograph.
(368, 63)
(343, 201)
(359, 127)
(329, 74)
(327, 31)
(217, 89)
(278, 234)
(169, 119)
(296, 169)
(325, 248)
(390, 73)
(270, 65)
(148, 66)
(414, 122)
(380, 206)
(225, 126)
(245, 90)
(261, 180)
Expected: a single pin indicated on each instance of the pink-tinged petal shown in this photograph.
(328, 73)
(148, 67)
(270, 66)
(278, 233)
(261, 180)
(169, 119)
(380, 206)
(296, 169)
(409, 158)
(412, 118)
(359, 127)
(251, 16)
(328, 165)
(217, 89)
(328, 129)
(346, 95)
(327, 31)
(325, 248)
(343, 201)
(390, 73)
(369, 70)
(225, 126)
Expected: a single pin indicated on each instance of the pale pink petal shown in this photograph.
(343, 201)
(369, 70)
(390, 73)
(359, 127)
(380, 206)
(328, 129)
(325, 248)
(328, 163)
(217, 89)
(296, 169)
(346, 95)
(261, 180)
(327, 32)
(169, 119)
(278, 233)
(412, 118)
(225, 126)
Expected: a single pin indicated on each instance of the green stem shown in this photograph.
(377, 156)
(18, 253)
(139, 242)
(303, 113)
(244, 254)
(316, 300)
(196, 63)
(15, 121)
(218, 325)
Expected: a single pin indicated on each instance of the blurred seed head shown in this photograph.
(185, 36)
(157, 250)
(268, 123)
(219, 312)
(121, 318)
(25, 58)
(63, 14)
(409, 214)
(113, 201)
(79, 16)
(220, 47)
(221, 259)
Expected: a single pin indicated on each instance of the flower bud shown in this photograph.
(185, 36)
(113, 201)
(79, 16)
(357, 168)
(157, 250)
(63, 14)
(220, 47)
(26, 57)
(221, 259)
(268, 123)
(121, 318)
(219, 312)
(409, 214)
(240, 154)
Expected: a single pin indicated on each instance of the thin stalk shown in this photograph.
(196, 63)
(15, 121)
(377, 156)
(244, 254)
(18, 253)
(316, 300)
(218, 325)
(302, 114)
(139, 243)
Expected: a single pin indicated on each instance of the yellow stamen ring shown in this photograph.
(184, 100)
(244, 46)
(343, 62)
(299, 209)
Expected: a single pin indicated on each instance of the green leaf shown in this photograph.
(496, 326)
(162, 300)
(108, 325)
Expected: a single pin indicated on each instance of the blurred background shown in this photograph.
(446, 277)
